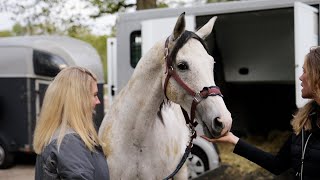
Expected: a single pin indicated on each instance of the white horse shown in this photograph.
(144, 138)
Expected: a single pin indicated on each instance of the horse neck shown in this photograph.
(140, 99)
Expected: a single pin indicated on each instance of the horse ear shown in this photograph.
(205, 30)
(179, 27)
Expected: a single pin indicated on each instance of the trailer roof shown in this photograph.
(211, 8)
(73, 51)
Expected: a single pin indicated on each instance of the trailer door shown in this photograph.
(40, 89)
(306, 25)
(112, 68)
(156, 29)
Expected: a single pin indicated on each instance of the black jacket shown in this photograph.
(73, 161)
(289, 156)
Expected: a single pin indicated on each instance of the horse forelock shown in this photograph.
(182, 40)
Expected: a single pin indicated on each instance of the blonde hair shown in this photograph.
(312, 65)
(301, 118)
(67, 104)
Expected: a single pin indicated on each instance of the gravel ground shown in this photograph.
(236, 167)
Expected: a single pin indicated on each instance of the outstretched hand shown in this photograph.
(228, 138)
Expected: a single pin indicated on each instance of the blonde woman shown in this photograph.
(301, 152)
(65, 138)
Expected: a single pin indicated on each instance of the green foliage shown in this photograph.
(162, 5)
(5, 33)
(146, 4)
(75, 31)
(115, 6)
(48, 16)
(110, 6)
(18, 30)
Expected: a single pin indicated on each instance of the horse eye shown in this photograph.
(183, 66)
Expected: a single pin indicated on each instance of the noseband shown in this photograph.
(197, 96)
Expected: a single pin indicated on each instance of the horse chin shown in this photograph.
(210, 134)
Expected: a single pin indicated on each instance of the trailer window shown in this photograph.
(47, 64)
(135, 48)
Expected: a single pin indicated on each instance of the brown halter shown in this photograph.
(197, 96)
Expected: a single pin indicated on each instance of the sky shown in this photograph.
(5, 22)
(101, 26)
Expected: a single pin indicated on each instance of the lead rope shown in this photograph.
(193, 133)
(184, 157)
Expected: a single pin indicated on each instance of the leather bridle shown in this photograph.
(171, 72)
(197, 96)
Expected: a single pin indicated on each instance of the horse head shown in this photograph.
(189, 80)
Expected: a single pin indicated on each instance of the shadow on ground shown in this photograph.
(25, 158)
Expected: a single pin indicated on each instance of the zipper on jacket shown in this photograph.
(303, 151)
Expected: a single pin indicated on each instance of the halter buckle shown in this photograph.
(197, 97)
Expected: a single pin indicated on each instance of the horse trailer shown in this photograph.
(27, 66)
(258, 46)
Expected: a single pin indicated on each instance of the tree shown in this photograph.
(49, 16)
(58, 16)
(114, 6)
(109, 6)
(214, 1)
(5, 33)
(146, 4)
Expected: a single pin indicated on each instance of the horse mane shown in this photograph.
(164, 102)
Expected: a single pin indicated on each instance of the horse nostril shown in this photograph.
(217, 125)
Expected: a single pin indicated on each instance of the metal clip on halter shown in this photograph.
(197, 97)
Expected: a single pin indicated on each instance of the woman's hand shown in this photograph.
(228, 138)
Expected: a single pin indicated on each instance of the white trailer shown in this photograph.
(258, 46)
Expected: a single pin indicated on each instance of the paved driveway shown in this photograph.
(18, 172)
(22, 170)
